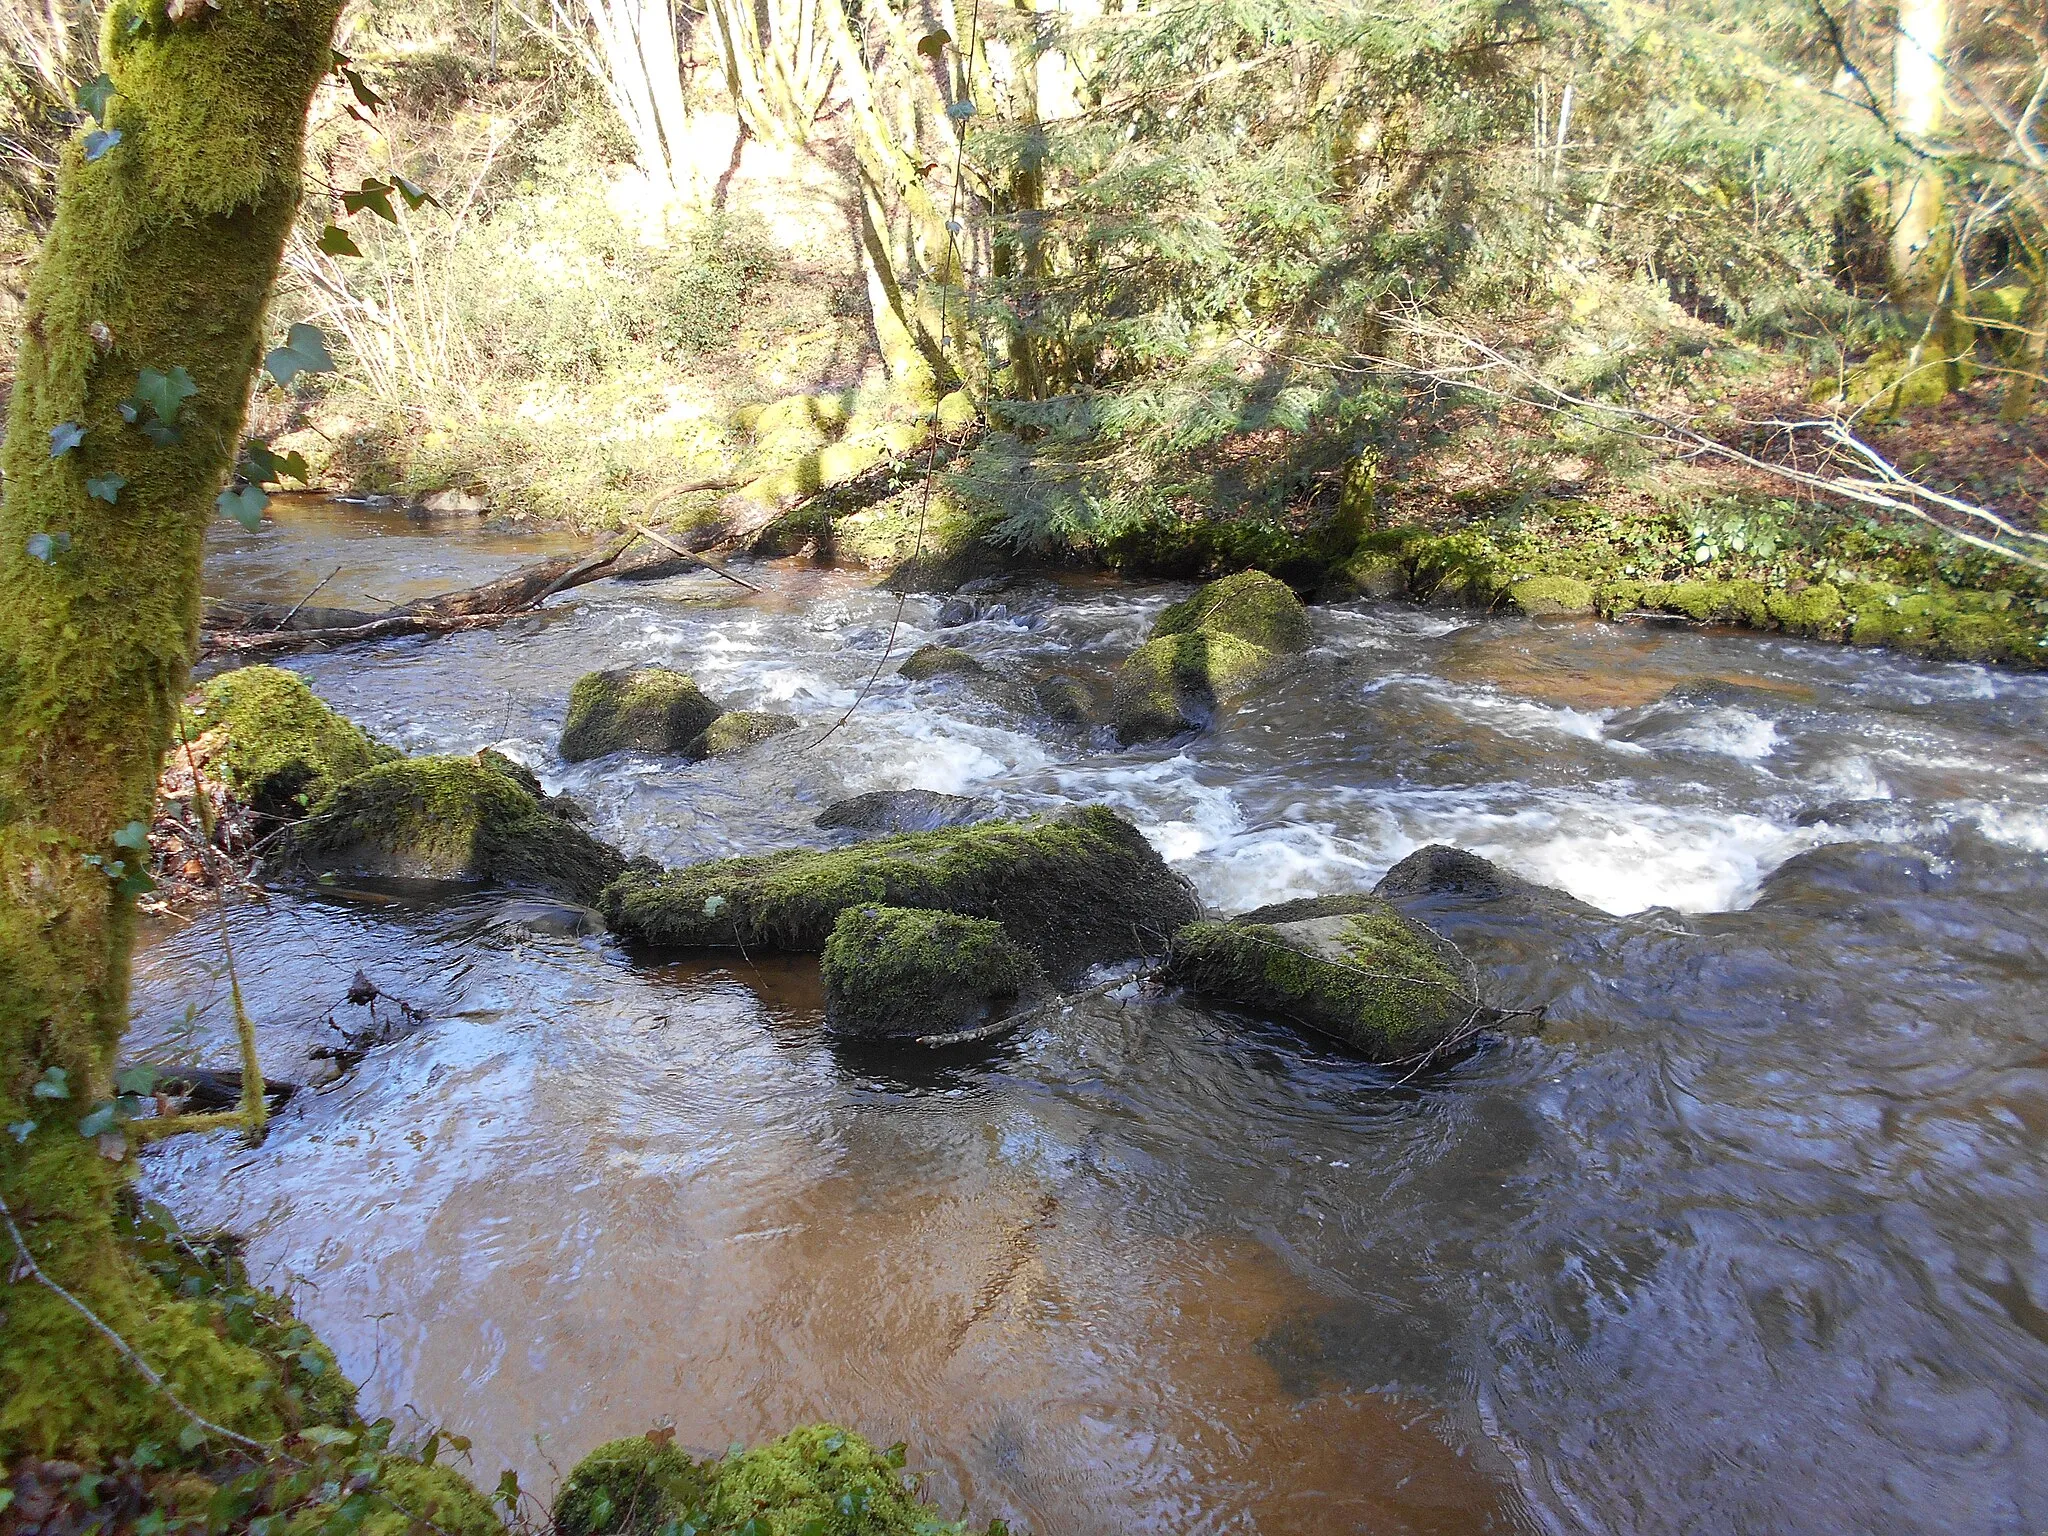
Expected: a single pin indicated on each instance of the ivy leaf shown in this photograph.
(134, 883)
(94, 96)
(304, 351)
(325, 1435)
(335, 241)
(374, 195)
(106, 487)
(64, 437)
(134, 836)
(161, 436)
(104, 1118)
(262, 466)
(508, 1489)
(100, 141)
(164, 393)
(960, 111)
(191, 1437)
(47, 546)
(53, 1084)
(20, 1130)
(414, 196)
(933, 43)
(368, 97)
(135, 1080)
(244, 505)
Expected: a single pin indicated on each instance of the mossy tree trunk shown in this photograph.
(161, 257)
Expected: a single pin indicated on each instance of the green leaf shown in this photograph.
(713, 905)
(140, 1079)
(304, 351)
(933, 43)
(508, 1489)
(107, 488)
(104, 1118)
(160, 435)
(245, 505)
(20, 1130)
(414, 196)
(94, 95)
(52, 1084)
(64, 437)
(335, 241)
(164, 393)
(896, 1454)
(325, 1435)
(134, 883)
(48, 546)
(191, 1437)
(133, 836)
(960, 111)
(374, 195)
(363, 93)
(100, 141)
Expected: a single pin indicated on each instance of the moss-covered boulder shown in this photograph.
(434, 1498)
(1176, 682)
(453, 818)
(276, 742)
(895, 973)
(930, 661)
(1351, 967)
(736, 730)
(1259, 609)
(901, 810)
(1074, 887)
(630, 1487)
(1542, 596)
(638, 709)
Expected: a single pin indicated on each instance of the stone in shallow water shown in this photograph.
(902, 810)
(736, 730)
(1350, 966)
(645, 709)
(894, 973)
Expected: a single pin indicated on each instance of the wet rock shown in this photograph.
(1541, 596)
(451, 503)
(644, 709)
(1258, 609)
(982, 586)
(902, 810)
(956, 612)
(1443, 870)
(275, 741)
(1075, 888)
(1065, 698)
(895, 973)
(1841, 872)
(528, 780)
(629, 1487)
(1203, 652)
(452, 818)
(1175, 683)
(1384, 985)
(929, 661)
(735, 731)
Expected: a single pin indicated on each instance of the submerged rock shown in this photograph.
(275, 741)
(1351, 967)
(645, 709)
(453, 818)
(1204, 651)
(1064, 698)
(894, 973)
(902, 810)
(1074, 888)
(929, 661)
(735, 731)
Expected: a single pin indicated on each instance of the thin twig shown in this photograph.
(293, 613)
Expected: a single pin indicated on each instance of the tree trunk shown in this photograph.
(162, 257)
(1919, 72)
(2031, 356)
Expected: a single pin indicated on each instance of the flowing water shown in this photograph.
(1754, 1238)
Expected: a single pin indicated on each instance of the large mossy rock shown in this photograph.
(630, 1487)
(1175, 683)
(1351, 967)
(278, 745)
(896, 973)
(1075, 887)
(735, 731)
(1259, 609)
(641, 709)
(453, 818)
(1204, 651)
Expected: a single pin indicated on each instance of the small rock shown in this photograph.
(646, 709)
(929, 661)
(735, 731)
(902, 810)
(956, 612)
(453, 503)
(896, 973)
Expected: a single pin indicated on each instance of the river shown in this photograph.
(1753, 1238)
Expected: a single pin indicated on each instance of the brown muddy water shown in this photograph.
(1754, 1239)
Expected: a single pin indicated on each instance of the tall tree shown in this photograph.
(143, 332)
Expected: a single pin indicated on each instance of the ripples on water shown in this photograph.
(1752, 1240)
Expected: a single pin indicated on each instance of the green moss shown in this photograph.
(1538, 596)
(929, 661)
(956, 412)
(1175, 683)
(897, 972)
(282, 748)
(438, 1498)
(645, 709)
(1816, 611)
(1711, 602)
(1250, 605)
(1362, 973)
(452, 818)
(629, 1487)
(1073, 888)
(735, 731)
(820, 1478)
(885, 535)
